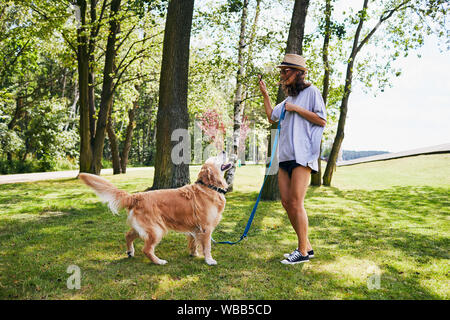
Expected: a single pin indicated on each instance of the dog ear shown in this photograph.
(216, 179)
(204, 174)
(208, 176)
(211, 178)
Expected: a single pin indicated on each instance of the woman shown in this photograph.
(299, 145)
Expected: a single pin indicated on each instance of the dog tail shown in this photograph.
(107, 192)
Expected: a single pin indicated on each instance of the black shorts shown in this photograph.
(290, 165)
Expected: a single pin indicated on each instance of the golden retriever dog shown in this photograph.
(194, 209)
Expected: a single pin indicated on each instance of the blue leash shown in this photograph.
(252, 215)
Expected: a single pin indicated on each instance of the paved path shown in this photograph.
(38, 176)
(442, 148)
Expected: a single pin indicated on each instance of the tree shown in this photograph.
(91, 141)
(86, 156)
(34, 80)
(238, 95)
(294, 45)
(120, 158)
(107, 89)
(142, 44)
(316, 178)
(172, 109)
(395, 33)
(96, 50)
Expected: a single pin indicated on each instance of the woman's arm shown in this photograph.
(306, 114)
(267, 104)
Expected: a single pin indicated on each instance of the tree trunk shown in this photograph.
(64, 82)
(114, 145)
(91, 98)
(73, 107)
(150, 137)
(107, 89)
(294, 45)
(270, 190)
(237, 112)
(297, 29)
(316, 178)
(173, 86)
(18, 113)
(128, 138)
(331, 163)
(250, 43)
(83, 81)
(91, 76)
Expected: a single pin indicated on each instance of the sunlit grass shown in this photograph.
(390, 218)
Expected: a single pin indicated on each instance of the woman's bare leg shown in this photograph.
(296, 209)
(284, 184)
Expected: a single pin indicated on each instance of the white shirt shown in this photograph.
(299, 138)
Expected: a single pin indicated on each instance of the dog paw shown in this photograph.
(130, 254)
(161, 262)
(211, 262)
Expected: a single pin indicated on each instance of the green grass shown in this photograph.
(390, 216)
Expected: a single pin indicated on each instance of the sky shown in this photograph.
(414, 113)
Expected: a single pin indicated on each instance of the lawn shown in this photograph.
(381, 232)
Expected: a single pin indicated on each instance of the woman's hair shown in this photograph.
(299, 84)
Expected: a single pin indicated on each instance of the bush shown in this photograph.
(18, 166)
(32, 165)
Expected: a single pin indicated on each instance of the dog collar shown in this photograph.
(220, 190)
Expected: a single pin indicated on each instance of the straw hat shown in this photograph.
(295, 61)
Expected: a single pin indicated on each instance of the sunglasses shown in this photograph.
(285, 71)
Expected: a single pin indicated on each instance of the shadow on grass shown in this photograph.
(362, 225)
(413, 219)
(407, 223)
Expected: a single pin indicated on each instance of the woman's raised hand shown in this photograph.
(262, 87)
